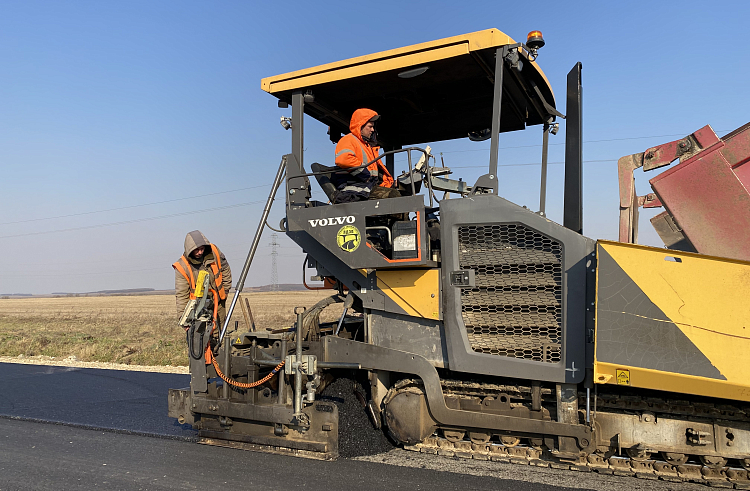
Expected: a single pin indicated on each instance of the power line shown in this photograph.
(563, 143)
(523, 165)
(231, 251)
(138, 220)
(173, 215)
(60, 273)
(88, 273)
(132, 206)
(266, 185)
(84, 274)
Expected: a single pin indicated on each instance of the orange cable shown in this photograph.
(244, 385)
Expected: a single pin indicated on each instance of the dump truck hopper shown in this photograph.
(705, 196)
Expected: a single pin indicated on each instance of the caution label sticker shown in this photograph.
(348, 238)
(623, 377)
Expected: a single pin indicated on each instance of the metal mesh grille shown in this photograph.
(515, 308)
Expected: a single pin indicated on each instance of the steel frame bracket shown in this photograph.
(653, 158)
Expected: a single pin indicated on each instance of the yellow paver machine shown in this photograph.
(484, 329)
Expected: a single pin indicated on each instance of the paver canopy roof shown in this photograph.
(452, 97)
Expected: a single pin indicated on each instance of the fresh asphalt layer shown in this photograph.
(42, 456)
(65, 428)
(112, 399)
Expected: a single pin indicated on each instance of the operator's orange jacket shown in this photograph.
(353, 151)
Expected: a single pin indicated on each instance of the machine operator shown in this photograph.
(202, 255)
(355, 149)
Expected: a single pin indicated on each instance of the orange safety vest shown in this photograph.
(183, 267)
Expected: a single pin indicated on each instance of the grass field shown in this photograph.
(138, 330)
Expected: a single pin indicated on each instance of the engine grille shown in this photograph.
(515, 307)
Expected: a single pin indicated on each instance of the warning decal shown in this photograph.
(623, 377)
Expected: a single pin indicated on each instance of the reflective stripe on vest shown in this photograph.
(218, 275)
(183, 267)
(366, 159)
(346, 150)
(380, 170)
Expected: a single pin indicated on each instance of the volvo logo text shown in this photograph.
(323, 222)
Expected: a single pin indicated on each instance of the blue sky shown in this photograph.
(122, 123)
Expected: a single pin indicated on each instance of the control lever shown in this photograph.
(348, 302)
(423, 160)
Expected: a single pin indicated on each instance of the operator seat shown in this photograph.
(324, 179)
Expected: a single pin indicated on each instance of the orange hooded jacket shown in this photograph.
(353, 151)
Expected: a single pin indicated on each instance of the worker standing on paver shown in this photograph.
(201, 255)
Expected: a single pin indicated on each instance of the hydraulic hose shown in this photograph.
(190, 333)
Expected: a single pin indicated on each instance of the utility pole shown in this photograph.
(274, 254)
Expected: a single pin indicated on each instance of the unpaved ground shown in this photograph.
(72, 361)
(127, 330)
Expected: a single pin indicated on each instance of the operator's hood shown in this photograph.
(194, 240)
(359, 119)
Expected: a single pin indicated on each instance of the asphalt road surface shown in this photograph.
(72, 428)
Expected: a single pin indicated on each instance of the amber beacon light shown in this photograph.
(534, 40)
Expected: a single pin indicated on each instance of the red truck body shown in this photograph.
(706, 195)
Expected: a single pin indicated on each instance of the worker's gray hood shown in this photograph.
(194, 240)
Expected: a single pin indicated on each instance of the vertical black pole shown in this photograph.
(543, 188)
(497, 102)
(573, 206)
(297, 187)
(282, 382)
(298, 129)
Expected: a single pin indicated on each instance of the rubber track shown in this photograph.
(726, 477)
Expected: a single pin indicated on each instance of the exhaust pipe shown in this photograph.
(573, 201)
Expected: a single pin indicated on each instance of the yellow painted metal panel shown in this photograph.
(389, 60)
(607, 373)
(706, 297)
(359, 70)
(473, 41)
(417, 291)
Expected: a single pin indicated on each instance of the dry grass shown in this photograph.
(138, 330)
